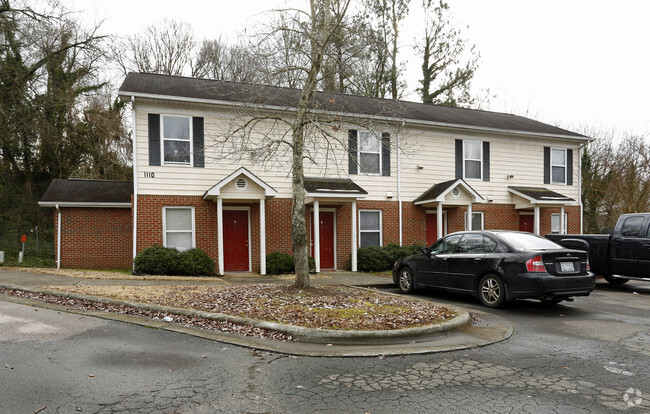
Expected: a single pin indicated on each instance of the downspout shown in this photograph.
(580, 186)
(135, 181)
(58, 237)
(399, 184)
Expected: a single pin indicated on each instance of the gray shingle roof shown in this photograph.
(232, 92)
(333, 186)
(88, 191)
(540, 194)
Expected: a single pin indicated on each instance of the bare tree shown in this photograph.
(167, 48)
(615, 179)
(237, 63)
(447, 65)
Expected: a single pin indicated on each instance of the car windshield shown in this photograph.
(527, 241)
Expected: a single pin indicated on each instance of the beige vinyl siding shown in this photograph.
(431, 148)
(521, 157)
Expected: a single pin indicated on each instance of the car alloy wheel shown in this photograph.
(406, 280)
(491, 291)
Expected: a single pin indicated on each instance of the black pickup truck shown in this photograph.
(619, 257)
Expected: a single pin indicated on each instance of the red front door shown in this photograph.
(326, 239)
(432, 228)
(526, 223)
(235, 240)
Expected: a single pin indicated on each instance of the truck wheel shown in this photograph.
(615, 280)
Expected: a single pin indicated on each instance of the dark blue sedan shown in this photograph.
(498, 266)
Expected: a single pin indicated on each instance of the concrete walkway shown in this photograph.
(454, 335)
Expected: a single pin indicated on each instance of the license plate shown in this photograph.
(566, 266)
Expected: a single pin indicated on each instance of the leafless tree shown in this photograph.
(615, 179)
(167, 48)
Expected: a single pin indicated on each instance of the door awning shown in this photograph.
(538, 197)
(240, 184)
(333, 189)
(453, 192)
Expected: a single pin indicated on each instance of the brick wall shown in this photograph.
(278, 223)
(95, 238)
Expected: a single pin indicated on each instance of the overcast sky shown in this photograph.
(576, 63)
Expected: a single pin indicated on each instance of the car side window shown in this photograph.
(446, 245)
(471, 243)
(648, 233)
(632, 227)
(489, 245)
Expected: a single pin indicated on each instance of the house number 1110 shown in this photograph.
(149, 174)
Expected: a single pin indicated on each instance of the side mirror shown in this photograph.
(425, 250)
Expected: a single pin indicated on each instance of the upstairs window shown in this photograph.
(176, 143)
(558, 166)
(472, 160)
(369, 153)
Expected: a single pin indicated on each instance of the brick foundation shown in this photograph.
(102, 237)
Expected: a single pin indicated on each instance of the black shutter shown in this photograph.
(352, 151)
(154, 139)
(385, 153)
(569, 167)
(459, 158)
(197, 141)
(486, 161)
(547, 165)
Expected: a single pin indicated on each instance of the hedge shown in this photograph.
(158, 260)
(379, 259)
(282, 263)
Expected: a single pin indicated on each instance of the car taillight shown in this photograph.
(588, 267)
(535, 264)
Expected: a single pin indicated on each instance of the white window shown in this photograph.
(178, 228)
(558, 166)
(555, 223)
(477, 220)
(370, 228)
(176, 139)
(369, 152)
(473, 160)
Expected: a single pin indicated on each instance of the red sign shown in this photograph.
(23, 239)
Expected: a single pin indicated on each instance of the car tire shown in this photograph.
(615, 280)
(405, 280)
(491, 291)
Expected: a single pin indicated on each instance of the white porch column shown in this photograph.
(562, 220)
(316, 236)
(536, 221)
(263, 236)
(439, 219)
(354, 237)
(468, 220)
(220, 233)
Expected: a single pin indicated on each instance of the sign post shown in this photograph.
(23, 239)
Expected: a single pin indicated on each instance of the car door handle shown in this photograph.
(478, 259)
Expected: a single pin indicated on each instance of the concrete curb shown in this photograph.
(304, 334)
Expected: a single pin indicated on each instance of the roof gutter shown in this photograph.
(133, 95)
(58, 204)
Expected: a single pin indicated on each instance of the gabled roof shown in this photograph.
(215, 190)
(148, 85)
(438, 192)
(540, 195)
(74, 192)
(333, 187)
